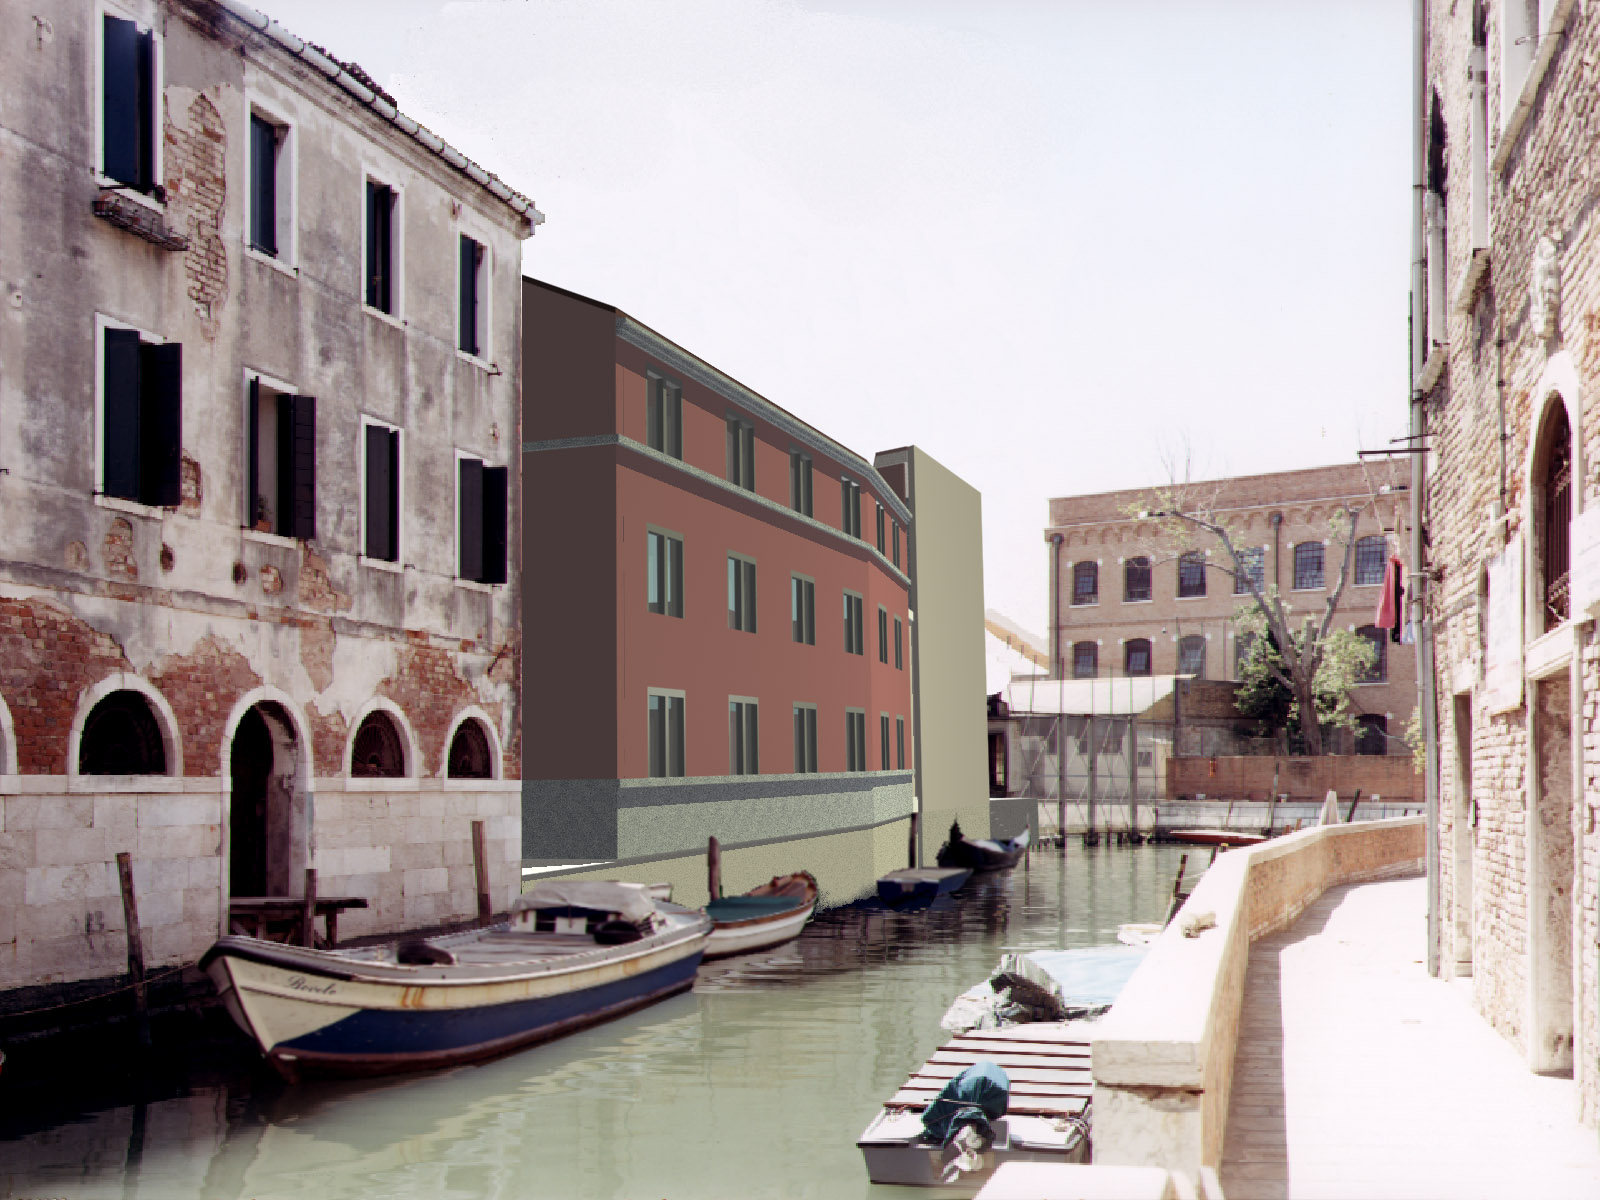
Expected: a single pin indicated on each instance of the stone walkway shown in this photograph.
(1359, 1076)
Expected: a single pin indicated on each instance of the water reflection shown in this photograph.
(755, 1084)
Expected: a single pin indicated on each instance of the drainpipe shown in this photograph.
(1421, 626)
(1055, 604)
(1277, 547)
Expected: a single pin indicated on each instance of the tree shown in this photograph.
(1289, 675)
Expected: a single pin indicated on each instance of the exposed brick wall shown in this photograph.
(202, 687)
(47, 658)
(196, 169)
(429, 688)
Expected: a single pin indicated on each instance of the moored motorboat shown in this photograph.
(982, 854)
(573, 953)
(1214, 837)
(921, 883)
(764, 916)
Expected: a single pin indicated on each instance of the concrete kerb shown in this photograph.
(1163, 1057)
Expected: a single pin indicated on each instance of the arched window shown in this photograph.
(1371, 557)
(1086, 583)
(121, 736)
(1192, 656)
(1085, 660)
(1136, 579)
(1136, 656)
(1192, 574)
(1557, 516)
(377, 752)
(469, 752)
(1378, 639)
(1372, 734)
(1308, 565)
(1251, 566)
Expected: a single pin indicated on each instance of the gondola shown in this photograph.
(982, 854)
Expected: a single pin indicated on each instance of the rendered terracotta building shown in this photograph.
(718, 595)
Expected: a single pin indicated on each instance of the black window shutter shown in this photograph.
(121, 474)
(380, 217)
(263, 186)
(379, 480)
(471, 533)
(675, 592)
(469, 295)
(145, 59)
(120, 100)
(253, 456)
(394, 495)
(161, 424)
(299, 501)
(496, 498)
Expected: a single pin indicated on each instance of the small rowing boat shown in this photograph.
(572, 954)
(921, 884)
(764, 916)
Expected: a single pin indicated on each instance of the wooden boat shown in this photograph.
(982, 854)
(764, 916)
(572, 954)
(1214, 837)
(1047, 1112)
(921, 883)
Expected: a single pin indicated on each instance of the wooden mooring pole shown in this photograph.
(480, 871)
(713, 870)
(308, 910)
(130, 916)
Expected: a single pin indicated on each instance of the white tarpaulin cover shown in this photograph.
(1106, 697)
(628, 900)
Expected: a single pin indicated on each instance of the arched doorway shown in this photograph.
(262, 766)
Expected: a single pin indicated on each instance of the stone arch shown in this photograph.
(476, 716)
(402, 728)
(127, 681)
(1558, 389)
(266, 774)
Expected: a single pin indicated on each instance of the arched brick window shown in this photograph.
(1308, 565)
(1191, 574)
(1192, 656)
(1136, 656)
(122, 737)
(1136, 579)
(1085, 660)
(377, 752)
(1378, 639)
(1371, 557)
(1086, 583)
(470, 756)
(1557, 516)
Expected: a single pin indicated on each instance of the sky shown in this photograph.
(1062, 247)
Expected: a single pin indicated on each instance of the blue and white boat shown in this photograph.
(572, 954)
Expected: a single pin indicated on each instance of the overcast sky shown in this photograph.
(1060, 246)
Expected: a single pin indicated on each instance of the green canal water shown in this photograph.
(755, 1084)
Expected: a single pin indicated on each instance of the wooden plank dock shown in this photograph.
(1048, 1065)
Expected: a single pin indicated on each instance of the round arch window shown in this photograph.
(377, 752)
(470, 757)
(122, 737)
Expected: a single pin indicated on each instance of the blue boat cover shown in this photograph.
(1090, 975)
(977, 1096)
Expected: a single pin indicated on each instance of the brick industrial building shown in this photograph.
(1506, 365)
(1127, 601)
(259, 405)
(720, 638)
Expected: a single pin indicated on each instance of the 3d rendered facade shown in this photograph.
(1507, 363)
(259, 404)
(1127, 601)
(718, 602)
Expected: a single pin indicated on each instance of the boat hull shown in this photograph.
(334, 1021)
(921, 883)
(742, 937)
(1214, 837)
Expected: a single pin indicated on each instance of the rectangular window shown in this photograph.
(129, 92)
(1251, 567)
(281, 490)
(855, 740)
(664, 573)
(1086, 583)
(267, 141)
(805, 739)
(381, 491)
(800, 482)
(666, 735)
(882, 548)
(1085, 660)
(142, 414)
(741, 594)
(381, 204)
(473, 279)
(481, 505)
(899, 661)
(854, 636)
(664, 417)
(743, 756)
(803, 609)
(883, 739)
(850, 507)
(1308, 565)
(741, 454)
(1136, 580)
(1372, 555)
(895, 543)
(1192, 574)
(899, 743)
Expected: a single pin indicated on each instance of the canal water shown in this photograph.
(755, 1084)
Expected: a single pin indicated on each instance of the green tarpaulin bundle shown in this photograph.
(977, 1096)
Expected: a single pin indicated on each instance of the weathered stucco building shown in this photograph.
(259, 410)
(1507, 363)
